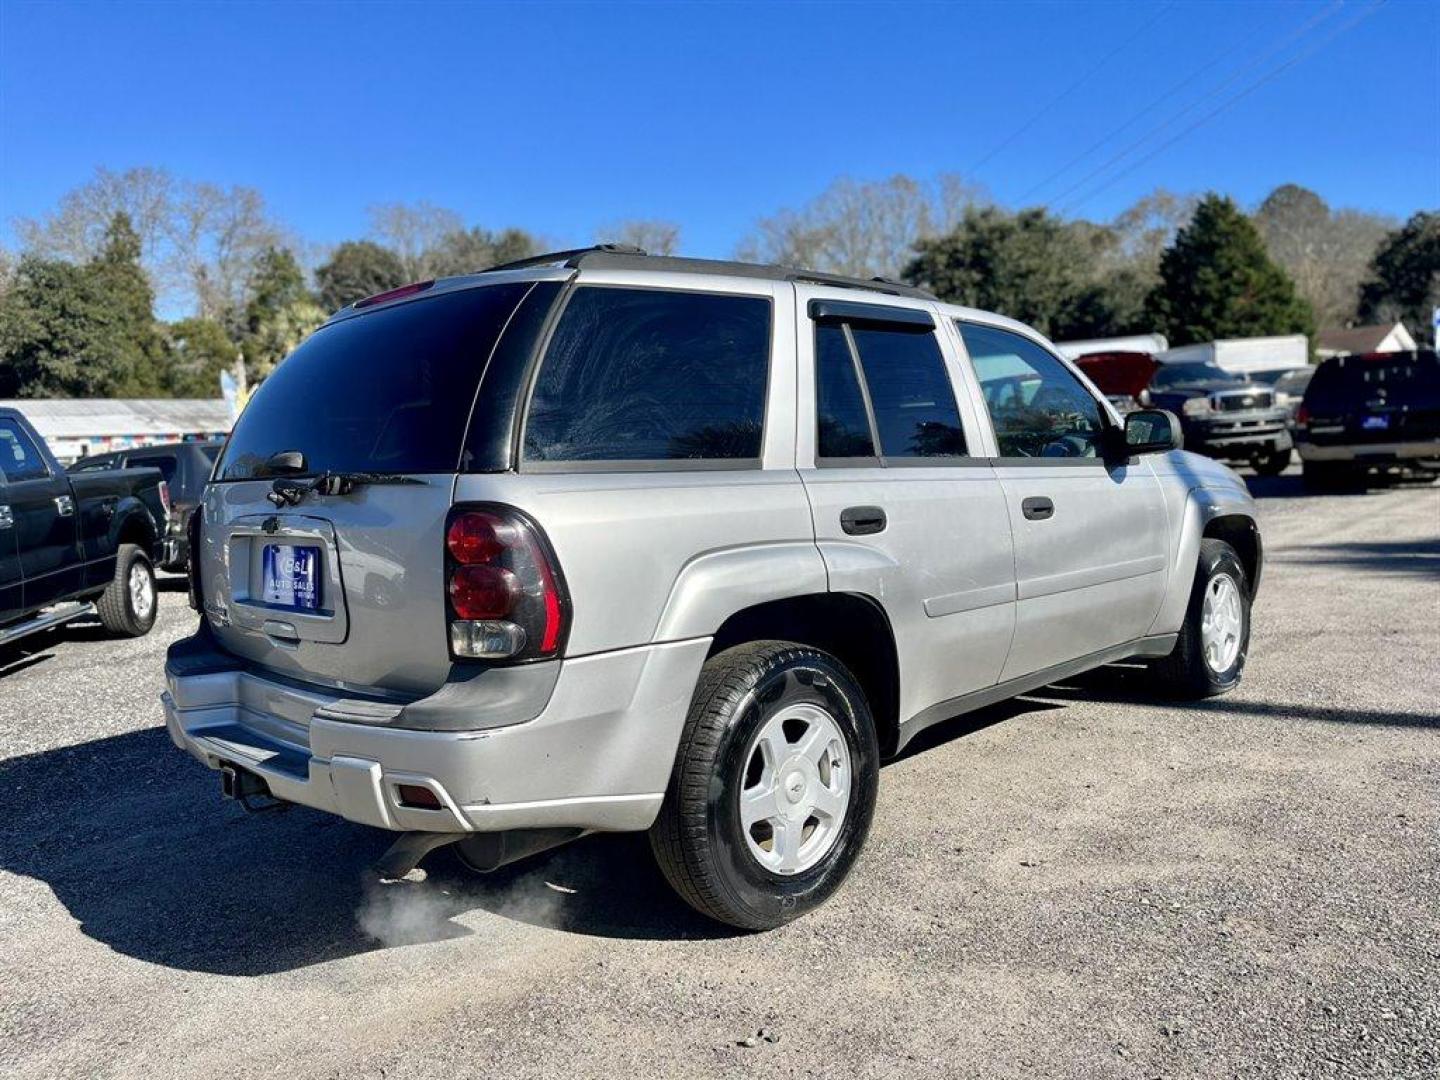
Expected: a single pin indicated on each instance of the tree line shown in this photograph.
(78, 307)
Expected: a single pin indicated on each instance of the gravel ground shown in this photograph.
(1079, 883)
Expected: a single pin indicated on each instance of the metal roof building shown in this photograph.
(76, 427)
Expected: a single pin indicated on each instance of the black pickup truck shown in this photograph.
(72, 546)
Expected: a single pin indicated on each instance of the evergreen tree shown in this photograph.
(1216, 281)
(281, 313)
(82, 331)
(1404, 278)
(357, 269)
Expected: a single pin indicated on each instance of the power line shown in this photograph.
(1148, 108)
(1085, 75)
(1264, 79)
(1290, 39)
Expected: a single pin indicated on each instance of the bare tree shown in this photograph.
(862, 228)
(654, 236)
(415, 232)
(198, 242)
(1326, 252)
(1148, 227)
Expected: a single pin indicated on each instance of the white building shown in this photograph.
(1144, 343)
(1363, 339)
(77, 427)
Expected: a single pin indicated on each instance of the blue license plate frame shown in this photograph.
(290, 576)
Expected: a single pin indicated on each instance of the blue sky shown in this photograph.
(558, 117)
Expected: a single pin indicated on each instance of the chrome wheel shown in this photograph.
(142, 591)
(1221, 623)
(796, 789)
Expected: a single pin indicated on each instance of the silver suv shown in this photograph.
(606, 541)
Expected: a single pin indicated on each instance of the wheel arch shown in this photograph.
(132, 525)
(852, 627)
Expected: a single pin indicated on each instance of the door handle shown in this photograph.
(65, 505)
(1038, 508)
(7, 518)
(862, 520)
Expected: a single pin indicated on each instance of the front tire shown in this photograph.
(1209, 656)
(128, 605)
(1271, 464)
(773, 788)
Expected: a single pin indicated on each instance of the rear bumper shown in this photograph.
(598, 756)
(1371, 452)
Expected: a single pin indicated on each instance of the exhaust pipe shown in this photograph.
(482, 852)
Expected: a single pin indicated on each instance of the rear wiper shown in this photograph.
(288, 492)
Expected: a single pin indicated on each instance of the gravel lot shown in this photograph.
(1080, 883)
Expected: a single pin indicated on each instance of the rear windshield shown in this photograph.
(164, 462)
(1411, 379)
(1192, 375)
(389, 391)
(210, 450)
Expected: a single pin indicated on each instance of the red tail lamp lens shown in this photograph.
(483, 592)
(476, 537)
(1302, 415)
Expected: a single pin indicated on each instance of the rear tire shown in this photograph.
(128, 605)
(1209, 656)
(1272, 464)
(779, 736)
(1323, 476)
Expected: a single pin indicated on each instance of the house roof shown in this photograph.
(1358, 339)
(80, 418)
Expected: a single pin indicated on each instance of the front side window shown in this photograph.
(652, 375)
(20, 459)
(1038, 407)
(906, 400)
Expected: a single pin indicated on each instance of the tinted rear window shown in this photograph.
(652, 375)
(1349, 382)
(164, 462)
(388, 391)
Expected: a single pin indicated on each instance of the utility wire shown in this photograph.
(1084, 77)
(1294, 36)
(1263, 80)
(1149, 108)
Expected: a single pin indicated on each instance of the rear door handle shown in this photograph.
(65, 505)
(1038, 508)
(7, 518)
(862, 520)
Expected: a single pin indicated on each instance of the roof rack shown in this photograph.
(628, 257)
(570, 258)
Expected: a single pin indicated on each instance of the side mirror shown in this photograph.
(1152, 431)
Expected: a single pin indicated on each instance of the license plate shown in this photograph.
(1375, 423)
(291, 576)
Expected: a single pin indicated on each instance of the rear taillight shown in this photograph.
(192, 536)
(165, 499)
(1302, 415)
(505, 597)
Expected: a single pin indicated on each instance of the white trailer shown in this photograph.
(1245, 356)
(1144, 343)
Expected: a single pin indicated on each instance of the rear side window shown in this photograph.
(388, 391)
(164, 462)
(652, 375)
(875, 383)
(20, 459)
(842, 421)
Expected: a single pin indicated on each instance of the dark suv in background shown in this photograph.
(1371, 411)
(185, 466)
(1225, 415)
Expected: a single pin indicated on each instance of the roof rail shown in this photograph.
(570, 258)
(628, 257)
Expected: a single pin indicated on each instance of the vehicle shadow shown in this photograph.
(135, 841)
(1416, 557)
(16, 657)
(1129, 684)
